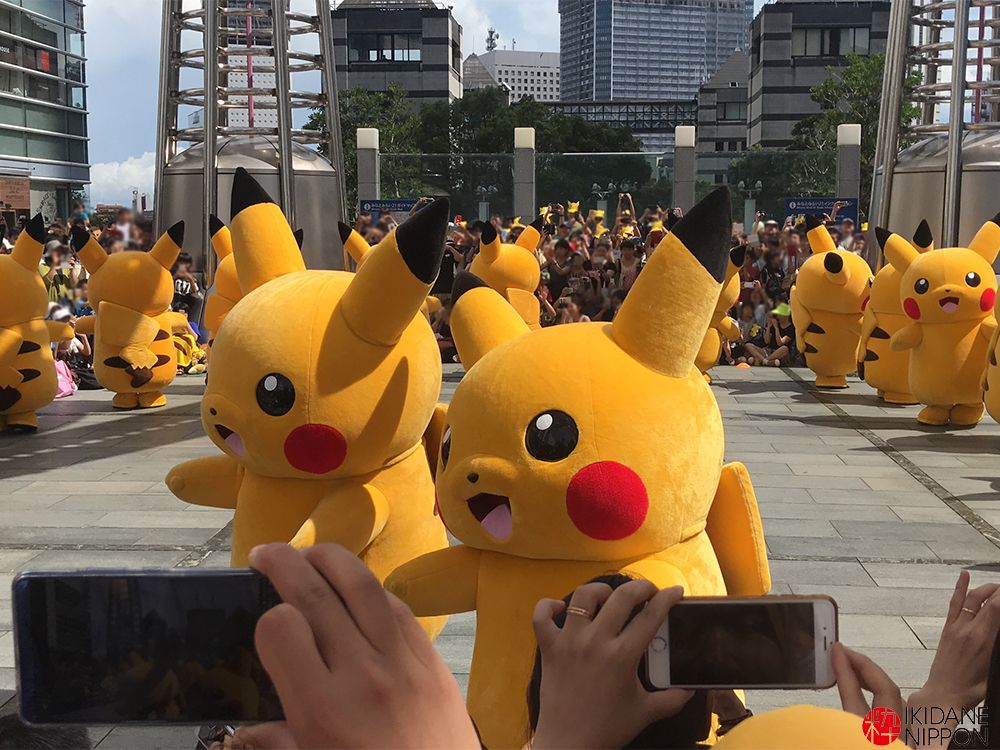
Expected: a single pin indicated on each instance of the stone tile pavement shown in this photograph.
(859, 502)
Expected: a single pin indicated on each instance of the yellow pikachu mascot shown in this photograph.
(827, 302)
(511, 269)
(548, 483)
(226, 292)
(27, 370)
(886, 370)
(131, 292)
(722, 326)
(321, 388)
(991, 383)
(948, 294)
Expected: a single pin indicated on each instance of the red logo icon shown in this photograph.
(881, 725)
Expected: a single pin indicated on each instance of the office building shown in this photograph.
(793, 44)
(43, 108)
(416, 44)
(521, 72)
(647, 49)
(652, 123)
(722, 118)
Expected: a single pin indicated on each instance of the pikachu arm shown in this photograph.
(526, 304)
(351, 515)
(86, 325)
(988, 329)
(177, 322)
(729, 329)
(443, 582)
(10, 345)
(130, 332)
(802, 320)
(213, 481)
(868, 324)
(433, 435)
(660, 573)
(906, 337)
(59, 331)
(737, 534)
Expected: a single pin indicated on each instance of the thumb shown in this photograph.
(274, 735)
(848, 685)
(662, 704)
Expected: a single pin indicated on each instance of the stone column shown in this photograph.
(684, 167)
(849, 161)
(369, 177)
(524, 174)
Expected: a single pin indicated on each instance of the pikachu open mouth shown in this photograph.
(232, 439)
(949, 304)
(493, 512)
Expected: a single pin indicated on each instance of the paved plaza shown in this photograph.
(859, 502)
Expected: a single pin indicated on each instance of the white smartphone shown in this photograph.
(745, 642)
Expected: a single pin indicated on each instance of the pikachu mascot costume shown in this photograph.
(827, 302)
(27, 370)
(134, 354)
(548, 483)
(885, 370)
(806, 728)
(948, 294)
(321, 387)
(226, 292)
(511, 268)
(722, 326)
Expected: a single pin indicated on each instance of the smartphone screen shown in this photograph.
(760, 642)
(109, 647)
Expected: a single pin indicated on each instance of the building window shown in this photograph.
(830, 42)
(732, 111)
(384, 48)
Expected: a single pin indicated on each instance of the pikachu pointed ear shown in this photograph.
(481, 319)
(489, 241)
(820, 239)
(737, 257)
(30, 243)
(650, 326)
(168, 247)
(300, 236)
(389, 288)
(528, 239)
(87, 249)
(222, 238)
(899, 252)
(923, 238)
(263, 242)
(354, 243)
(987, 240)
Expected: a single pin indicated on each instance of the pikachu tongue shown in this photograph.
(498, 523)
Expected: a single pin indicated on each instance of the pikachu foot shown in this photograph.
(966, 415)
(432, 625)
(152, 400)
(24, 423)
(125, 401)
(831, 381)
(891, 397)
(708, 378)
(934, 415)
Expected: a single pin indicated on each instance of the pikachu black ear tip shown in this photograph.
(487, 232)
(345, 231)
(923, 237)
(176, 233)
(421, 237)
(299, 235)
(464, 282)
(706, 230)
(813, 222)
(36, 228)
(246, 192)
(79, 237)
(738, 255)
(996, 219)
(215, 224)
(882, 235)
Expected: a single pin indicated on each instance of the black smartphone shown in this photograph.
(141, 646)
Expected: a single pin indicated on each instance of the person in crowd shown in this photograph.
(569, 309)
(779, 338)
(772, 275)
(630, 263)
(859, 245)
(846, 234)
(441, 325)
(559, 268)
(60, 271)
(187, 294)
(760, 303)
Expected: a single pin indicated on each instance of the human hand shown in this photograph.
(856, 672)
(351, 665)
(590, 694)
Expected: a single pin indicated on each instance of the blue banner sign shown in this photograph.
(799, 207)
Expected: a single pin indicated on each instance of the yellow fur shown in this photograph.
(227, 290)
(826, 301)
(801, 728)
(948, 294)
(722, 326)
(359, 372)
(511, 268)
(660, 438)
(27, 370)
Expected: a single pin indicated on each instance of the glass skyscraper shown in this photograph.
(43, 107)
(647, 49)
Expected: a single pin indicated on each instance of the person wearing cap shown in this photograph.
(846, 234)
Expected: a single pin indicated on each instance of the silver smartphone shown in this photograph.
(745, 642)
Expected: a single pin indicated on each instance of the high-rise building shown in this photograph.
(793, 45)
(647, 49)
(521, 72)
(416, 44)
(43, 108)
(722, 118)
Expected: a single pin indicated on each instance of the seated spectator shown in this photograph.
(749, 348)
(761, 304)
(859, 245)
(187, 295)
(569, 309)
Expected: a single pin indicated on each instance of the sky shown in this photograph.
(123, 67)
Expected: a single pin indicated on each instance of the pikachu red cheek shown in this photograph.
(911, 308)
(607, 501)
(988, 300)
(316, 448)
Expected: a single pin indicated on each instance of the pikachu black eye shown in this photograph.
(921, 286)
(972, 278)
(275, 394)
(551, 436)
(446, 447)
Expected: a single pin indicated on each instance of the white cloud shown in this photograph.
(114, 181)
(533, 24)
